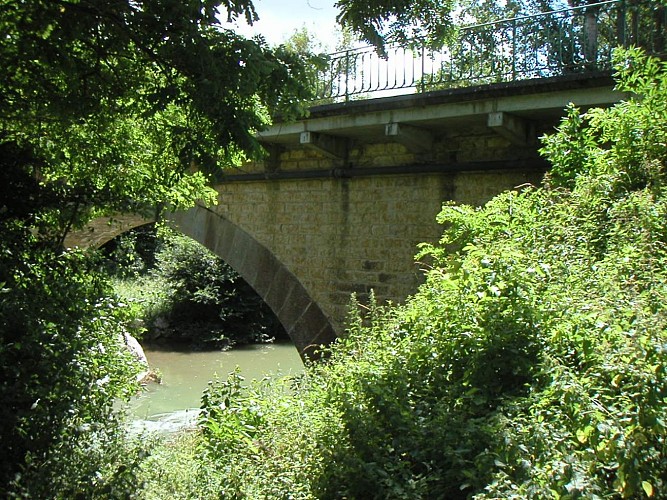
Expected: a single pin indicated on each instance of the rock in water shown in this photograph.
(138, 352)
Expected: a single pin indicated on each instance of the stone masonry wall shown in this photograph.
(340, 236)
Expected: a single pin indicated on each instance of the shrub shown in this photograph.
(62, 365)
(530, 364)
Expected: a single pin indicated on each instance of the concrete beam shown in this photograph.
(511, 127)
(329, 145)
(539, 106)
(415, 139)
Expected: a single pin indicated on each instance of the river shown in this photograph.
(172, 405)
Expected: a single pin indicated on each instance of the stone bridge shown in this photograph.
(344, 196)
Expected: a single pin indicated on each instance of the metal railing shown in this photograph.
(556, 43)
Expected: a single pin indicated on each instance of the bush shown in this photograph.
(63, 364)
(532, 363)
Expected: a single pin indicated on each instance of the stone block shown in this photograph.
(250, 266)
(311, 330)
(224, 241)
(242, 245)
(281, 286)
(372, 265)
(296, 303)
(266, 268)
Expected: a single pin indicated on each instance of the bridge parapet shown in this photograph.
(445, 130)
(557, 43)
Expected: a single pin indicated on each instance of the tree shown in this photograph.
(122, 105)
(382, 21)
(116, 101)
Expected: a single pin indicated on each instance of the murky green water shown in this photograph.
(185, 374)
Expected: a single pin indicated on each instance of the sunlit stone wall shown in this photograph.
(352, 235)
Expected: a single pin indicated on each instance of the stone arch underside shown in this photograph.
(103, 229)
(300, 315)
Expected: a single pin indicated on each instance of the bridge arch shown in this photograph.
(101, 230)
(300, 315)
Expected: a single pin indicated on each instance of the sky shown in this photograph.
(279, 19)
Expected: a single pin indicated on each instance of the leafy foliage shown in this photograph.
(105, 107)
(530, 364)
(184, 293)
(379, 21)
(124, 106)
(63, 364)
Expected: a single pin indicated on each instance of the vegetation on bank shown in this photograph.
(532, 363)
(180, 292)
(62, 366)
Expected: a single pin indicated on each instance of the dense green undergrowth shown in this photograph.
(63, 363)
(532, 363)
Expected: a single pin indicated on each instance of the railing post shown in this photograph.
(590, 36)
(634, 19)
(514, 49)
(421, 77)
(620, 25)
(347, 75)
(660, 26)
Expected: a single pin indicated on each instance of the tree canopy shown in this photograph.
(431, 22)
(112, 104)
(378, 21)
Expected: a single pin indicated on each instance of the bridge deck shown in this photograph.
(533, 106)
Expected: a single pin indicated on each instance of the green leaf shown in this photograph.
(648, 488)
(584, 434)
